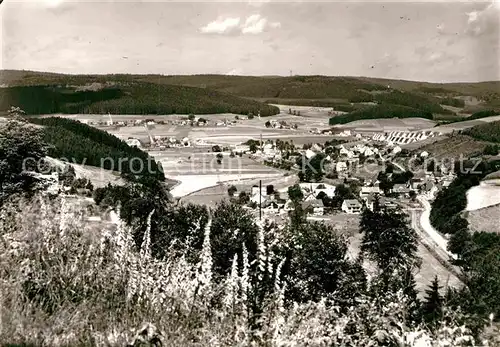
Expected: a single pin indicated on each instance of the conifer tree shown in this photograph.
(432, 307)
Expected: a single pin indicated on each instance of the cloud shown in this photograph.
(221, 26)
(483, 21)
(254, 24)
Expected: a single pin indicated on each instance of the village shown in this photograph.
(363, 169)
(355, 169)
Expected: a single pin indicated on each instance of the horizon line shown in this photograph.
(236, 75)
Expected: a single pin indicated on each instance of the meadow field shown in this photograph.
(448, 128)
(388, 124)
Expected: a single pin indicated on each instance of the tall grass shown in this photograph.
(65, 282)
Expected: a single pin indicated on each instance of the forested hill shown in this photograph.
(126, 98)
(38, 92)
(292, 87)
(82, 144)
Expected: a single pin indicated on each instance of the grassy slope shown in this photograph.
(453, 148)
(485, 219)
(485, 132)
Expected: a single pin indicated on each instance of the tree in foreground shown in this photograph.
(432, 307)
(319, 266)
(388, 239)
(21, 151)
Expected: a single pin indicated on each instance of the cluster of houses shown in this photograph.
(278, 202)
(159, 142)
(428, 185)
(196, 121)
(404, 137)
(281, 125)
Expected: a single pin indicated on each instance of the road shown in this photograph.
(431, 239)
(425, 223)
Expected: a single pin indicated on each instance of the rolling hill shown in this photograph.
(239, 94)
(126, 98)
(81, 144)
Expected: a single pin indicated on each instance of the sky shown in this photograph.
(439, 41)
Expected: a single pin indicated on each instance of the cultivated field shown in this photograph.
(99, 177)
(448, 128)
(484, 195)
(212, 195)
(389, 124)
(197, 168)
(484, 219)
(451, 148)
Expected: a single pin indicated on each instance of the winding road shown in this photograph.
(425, 223)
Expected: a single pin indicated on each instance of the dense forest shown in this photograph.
(380, 111)
(452, 102)
(485, 132)
(483, 114)
(420, 102)
(90, 146)
(265, 86)
(450, 202)
(127, 98)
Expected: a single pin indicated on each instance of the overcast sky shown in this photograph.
(428, 41)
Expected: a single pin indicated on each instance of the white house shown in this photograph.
(309, 154)
(396, 150)
(316, 148)
(268, 149)
(309, 197)
(351, 206)
(368, 152)
(345, 133)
